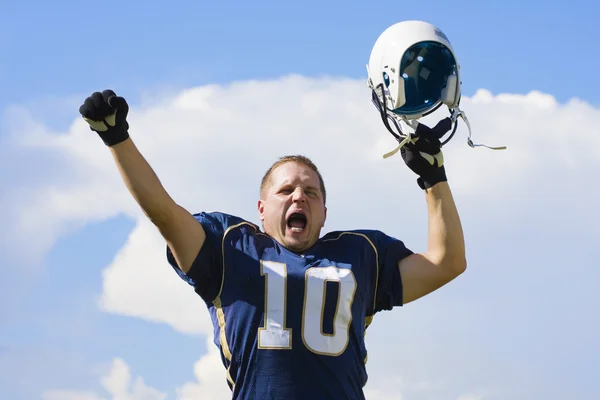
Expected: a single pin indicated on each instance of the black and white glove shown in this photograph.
(106, 113)
(423, 154)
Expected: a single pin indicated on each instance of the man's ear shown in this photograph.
(261, 210)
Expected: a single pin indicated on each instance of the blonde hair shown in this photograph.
(298, 159)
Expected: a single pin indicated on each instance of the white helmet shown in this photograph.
(413, 71)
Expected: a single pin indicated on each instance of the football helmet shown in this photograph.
(412, 72)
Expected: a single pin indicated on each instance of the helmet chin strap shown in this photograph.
(421, 129)
(458, 113)
(406, 139)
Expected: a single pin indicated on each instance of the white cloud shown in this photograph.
(471, 397)
(118, 382)
(210, 378)
(139, 284)
(69, 395)
(522, 209)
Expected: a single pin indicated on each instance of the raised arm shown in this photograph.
(445, 259)
(106, 114)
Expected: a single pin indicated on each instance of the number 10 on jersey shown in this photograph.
(275, 335)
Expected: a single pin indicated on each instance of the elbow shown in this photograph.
(459, 265)
(454, 266)
(456, 262)
(450, 265)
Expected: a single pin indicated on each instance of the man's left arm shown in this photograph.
(444, 260)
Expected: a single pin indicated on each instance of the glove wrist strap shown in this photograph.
(430, 180)
(110, 137)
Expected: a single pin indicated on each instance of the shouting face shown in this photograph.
(292, 207)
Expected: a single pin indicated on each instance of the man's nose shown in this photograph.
(298, 195)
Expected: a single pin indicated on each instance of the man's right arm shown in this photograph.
(183, 233)
(106, 113)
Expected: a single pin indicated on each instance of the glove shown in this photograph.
(106, 113)
(423, 154)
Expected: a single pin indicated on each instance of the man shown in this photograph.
(289, 307)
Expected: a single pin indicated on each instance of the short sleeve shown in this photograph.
(206, 272)
(389, 283)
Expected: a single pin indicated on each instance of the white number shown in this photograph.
(275, 335)
(314, 305)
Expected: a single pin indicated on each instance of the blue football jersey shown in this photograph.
(292, 326)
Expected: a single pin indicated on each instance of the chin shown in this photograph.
(295, 246)
(298, 245)
(293, 243)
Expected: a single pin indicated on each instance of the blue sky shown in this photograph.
(67, 49)
(55, 54)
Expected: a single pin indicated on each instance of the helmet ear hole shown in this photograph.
(400, 97)
(451, 92)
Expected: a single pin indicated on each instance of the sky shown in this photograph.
(89, 308)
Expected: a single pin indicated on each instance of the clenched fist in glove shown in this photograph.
(106, 113)
(423, 154)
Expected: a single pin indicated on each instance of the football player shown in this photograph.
(289, 306)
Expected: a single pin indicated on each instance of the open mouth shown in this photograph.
(296, 222)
